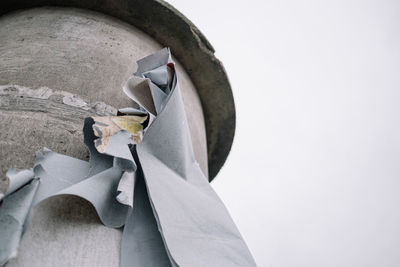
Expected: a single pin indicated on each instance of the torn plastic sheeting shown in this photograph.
(100, 190)
(126, 188)
(15, 180)
(196, 227)
(13, 215)
(142, 244)
(106, 127)
(176, 219)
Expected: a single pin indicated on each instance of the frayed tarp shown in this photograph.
(142, 175)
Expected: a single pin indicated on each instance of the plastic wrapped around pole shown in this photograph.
(59, 66)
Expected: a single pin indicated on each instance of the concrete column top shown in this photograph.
(170, 28)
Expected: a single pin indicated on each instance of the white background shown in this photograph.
(313, 178)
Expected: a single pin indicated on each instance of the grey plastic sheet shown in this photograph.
(13, 217)
(16, 179)
(145, 179)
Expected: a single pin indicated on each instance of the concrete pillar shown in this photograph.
(57, 66)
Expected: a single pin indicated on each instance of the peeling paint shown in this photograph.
(75, 101)
(64, 97)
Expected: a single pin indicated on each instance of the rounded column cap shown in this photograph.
(170, 28)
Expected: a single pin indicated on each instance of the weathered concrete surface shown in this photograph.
(170, 28)
(65, 231)
(81, 52)
(31, 119)
(57, 66)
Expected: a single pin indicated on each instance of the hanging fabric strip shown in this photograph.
(142, 174)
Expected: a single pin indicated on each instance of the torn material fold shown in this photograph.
(15, 180)
(14, 212)
(142, 174)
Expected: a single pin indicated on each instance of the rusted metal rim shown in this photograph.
(170, 28)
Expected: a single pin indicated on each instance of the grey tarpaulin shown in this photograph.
(152, 184)
(13, 216)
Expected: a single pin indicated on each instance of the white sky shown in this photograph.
(314, 175)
